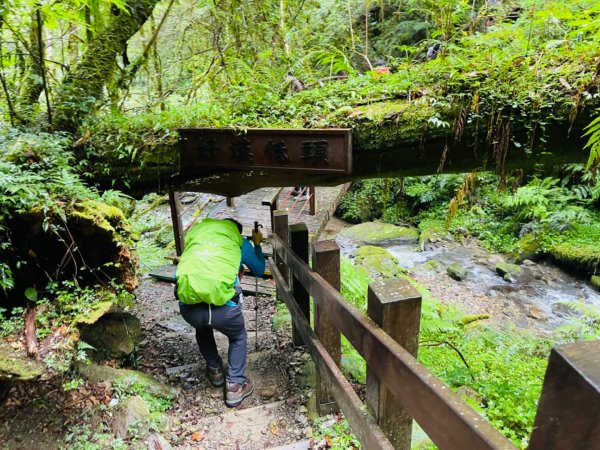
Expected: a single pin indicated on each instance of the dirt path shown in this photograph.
(274, 414)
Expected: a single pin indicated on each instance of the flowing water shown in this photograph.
(539, 299)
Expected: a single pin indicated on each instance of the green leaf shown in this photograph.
(31, 294)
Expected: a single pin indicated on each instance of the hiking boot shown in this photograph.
(237, 392)
(215, 375)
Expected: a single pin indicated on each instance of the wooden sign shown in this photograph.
(304, 150)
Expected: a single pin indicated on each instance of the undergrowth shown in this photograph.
(499, 370)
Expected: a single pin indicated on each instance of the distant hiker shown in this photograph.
(209, 297)
(301, 193)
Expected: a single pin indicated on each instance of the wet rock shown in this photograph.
(114, 335)
(132, 411)
(536, 312)
(456, 271)
(377, 233)
(378, 261)
(528, 263)
(509, 272)
(102, 374)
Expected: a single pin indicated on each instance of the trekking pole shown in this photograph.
(256, 226)
(256, 313)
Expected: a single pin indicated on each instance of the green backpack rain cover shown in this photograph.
(210, 263)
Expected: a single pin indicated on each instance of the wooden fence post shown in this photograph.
(395, 306)
(326, 262)
(312, 192)
(281, 229)
(567, 416)
(299, 244)
(175, 204)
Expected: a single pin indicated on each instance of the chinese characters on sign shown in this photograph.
(327, 150)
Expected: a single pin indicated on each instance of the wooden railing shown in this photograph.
(399, 388)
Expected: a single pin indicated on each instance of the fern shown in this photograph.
(593, 143)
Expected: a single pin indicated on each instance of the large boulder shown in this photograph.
(377, 233)
(114, 335)
(378, 261)
(105, 374)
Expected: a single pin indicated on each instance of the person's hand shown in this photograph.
(257, 237)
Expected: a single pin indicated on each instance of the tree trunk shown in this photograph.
(85, 85)
(32, 85)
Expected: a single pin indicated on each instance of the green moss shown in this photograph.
(377, 232)
(16, 365)
(470, 318)
(579, 248)
(456, 271)
(528, 247)
(99, 374)
(282, 318)
(509, 271)
(378, 262)
(92, 316)
(108, 218)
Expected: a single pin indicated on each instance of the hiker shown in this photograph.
(209, 294)
(300, 192)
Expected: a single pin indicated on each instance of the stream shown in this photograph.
(534, 301)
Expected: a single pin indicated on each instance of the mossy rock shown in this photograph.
(456, 271)
(433, 265)
(373, 233)
(509, 272)
(595, 281)
(105, 374)
(378, 261)
(528, 247)
(114, 335)
(16, 365)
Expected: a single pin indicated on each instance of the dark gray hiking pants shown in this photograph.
(229, 320)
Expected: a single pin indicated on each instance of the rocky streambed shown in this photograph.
(532, 295)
